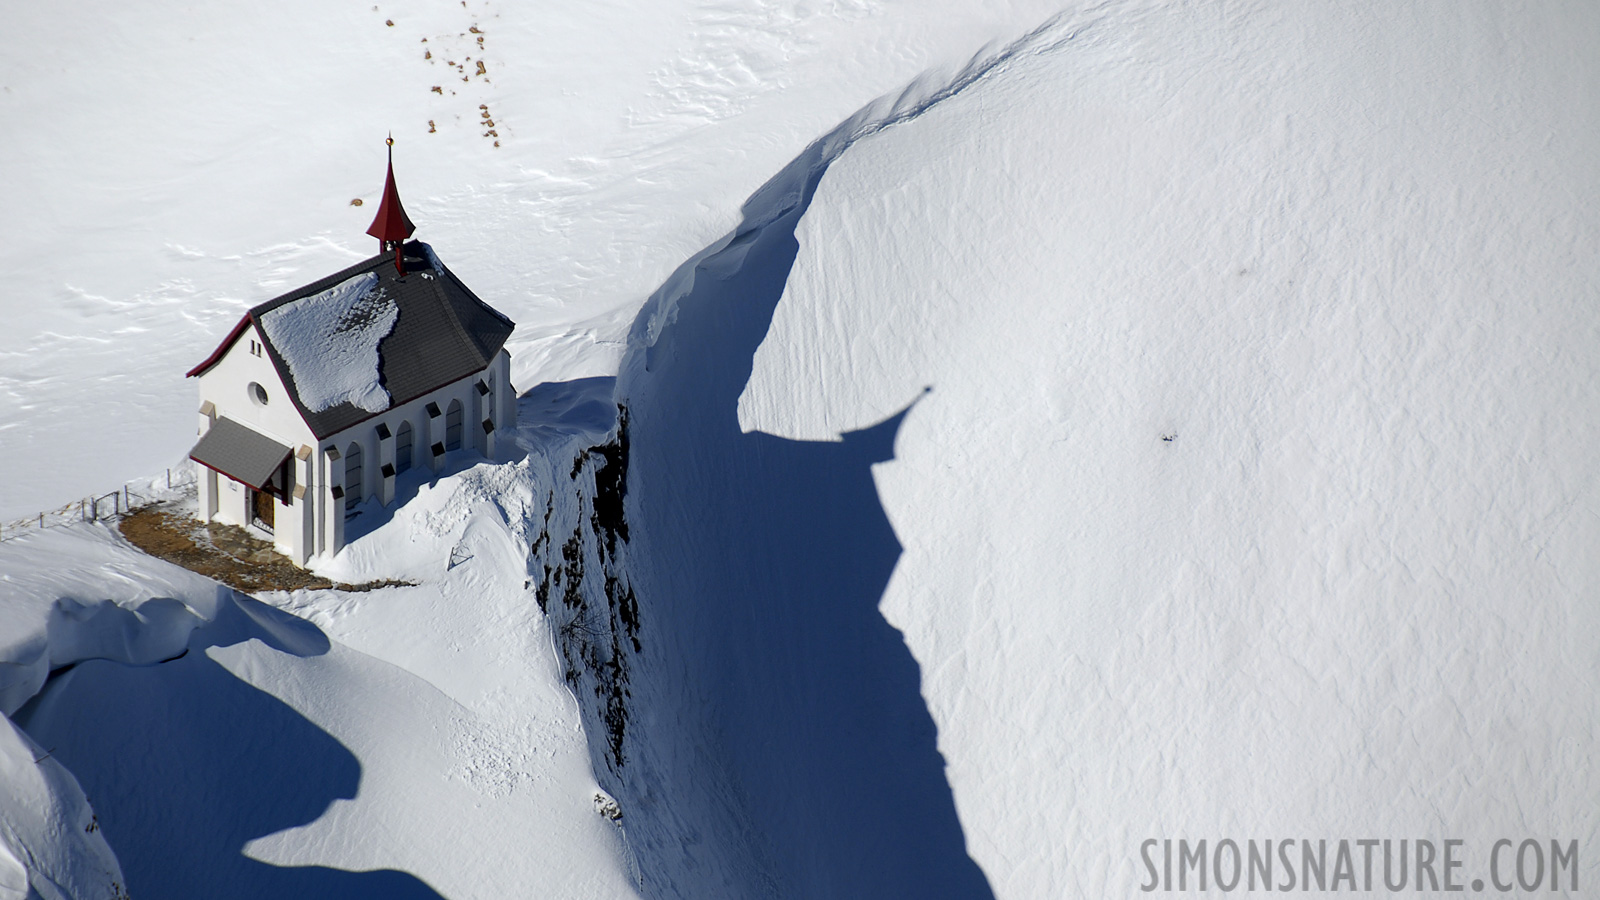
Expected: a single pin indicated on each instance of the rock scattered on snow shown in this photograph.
(607, 806)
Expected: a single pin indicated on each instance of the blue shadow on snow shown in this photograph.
(184, 763)
(772, 556)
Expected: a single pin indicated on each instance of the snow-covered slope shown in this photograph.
(407, 742)
(1227, 379)
(169, 166)
(1174, 424)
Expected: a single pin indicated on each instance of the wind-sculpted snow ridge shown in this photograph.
(52, 619)
(1255, 492)
(792, 188)
(1251, 492)
(770, 711)
(50, 841)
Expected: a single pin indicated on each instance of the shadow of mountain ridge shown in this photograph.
(760, 562)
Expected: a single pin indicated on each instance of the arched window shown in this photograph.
(452, 426)
(352, 475)
(402, 447)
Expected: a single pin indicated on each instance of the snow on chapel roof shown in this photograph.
(349, 346)
(330, 343)
(358, 341)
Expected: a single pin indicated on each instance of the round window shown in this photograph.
(258, 394)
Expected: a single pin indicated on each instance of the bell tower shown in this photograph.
(391, 226)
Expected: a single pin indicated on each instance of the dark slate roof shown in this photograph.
(443, 333)
(239, 452)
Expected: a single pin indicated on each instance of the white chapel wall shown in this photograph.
(313, 523)
(426, 432)
(227, 383)
(226, 386)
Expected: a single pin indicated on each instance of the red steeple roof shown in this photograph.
(391, 224)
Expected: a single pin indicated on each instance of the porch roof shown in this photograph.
(239, 452)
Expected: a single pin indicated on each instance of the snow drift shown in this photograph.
(1175, 425)
(310, 747)
(1227, 385)
(75, 596)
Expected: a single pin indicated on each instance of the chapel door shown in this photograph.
(264, 507)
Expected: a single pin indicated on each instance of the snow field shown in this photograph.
(157, 206)
(183, 165)
(1002, 626)
(1335, 259)
(408, 742)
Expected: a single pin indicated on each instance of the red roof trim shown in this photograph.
(217, 354)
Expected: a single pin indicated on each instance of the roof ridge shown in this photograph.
(318, 286)
(419, 355)
(454, 313)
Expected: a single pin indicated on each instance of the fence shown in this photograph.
(105, 507)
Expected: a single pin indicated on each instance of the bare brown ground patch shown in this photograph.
(225, 553)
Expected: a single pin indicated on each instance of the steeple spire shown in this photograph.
(391, 226)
